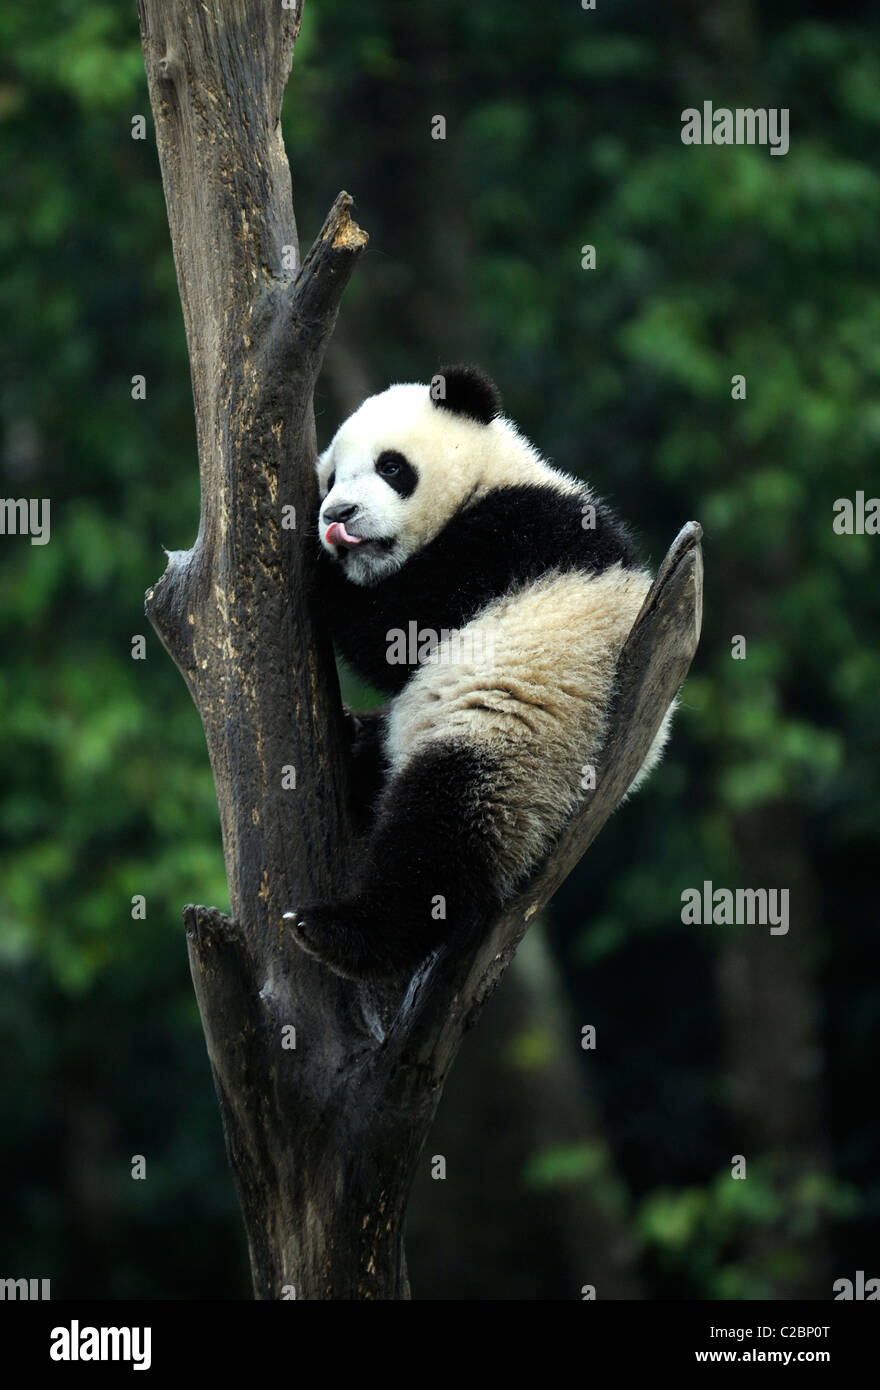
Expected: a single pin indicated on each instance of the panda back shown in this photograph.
(490, 550)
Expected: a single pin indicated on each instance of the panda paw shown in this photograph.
(345, 936)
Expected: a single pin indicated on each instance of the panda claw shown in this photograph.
(296, 920)
(334, 934)
(315, 931)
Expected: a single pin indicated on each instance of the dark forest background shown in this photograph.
(565, 1166)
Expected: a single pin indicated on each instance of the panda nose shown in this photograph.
(343, 513)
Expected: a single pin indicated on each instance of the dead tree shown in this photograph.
(322, 1138)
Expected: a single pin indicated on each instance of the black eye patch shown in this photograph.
(397, 472)
(330, 481)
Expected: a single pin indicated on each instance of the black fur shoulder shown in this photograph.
(511, 537)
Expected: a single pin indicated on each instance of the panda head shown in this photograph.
(405, 462)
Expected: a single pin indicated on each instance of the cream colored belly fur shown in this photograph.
(538, 705)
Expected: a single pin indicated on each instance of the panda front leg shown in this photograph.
(366, 734)
(426, 874)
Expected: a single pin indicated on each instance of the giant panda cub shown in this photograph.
(490, 596)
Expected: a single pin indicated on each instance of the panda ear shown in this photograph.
(466, 390)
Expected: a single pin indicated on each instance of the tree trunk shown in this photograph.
(594, 1217)
(322, 1137)
(771, 1019)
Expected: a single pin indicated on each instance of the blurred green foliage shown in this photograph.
(562, 130)
(694, 1230)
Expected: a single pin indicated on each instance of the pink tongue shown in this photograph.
(336, 534)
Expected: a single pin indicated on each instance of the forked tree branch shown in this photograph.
(323, 1136)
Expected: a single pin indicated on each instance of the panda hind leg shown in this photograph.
(425, 876)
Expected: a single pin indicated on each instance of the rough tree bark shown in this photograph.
(322, 1139)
